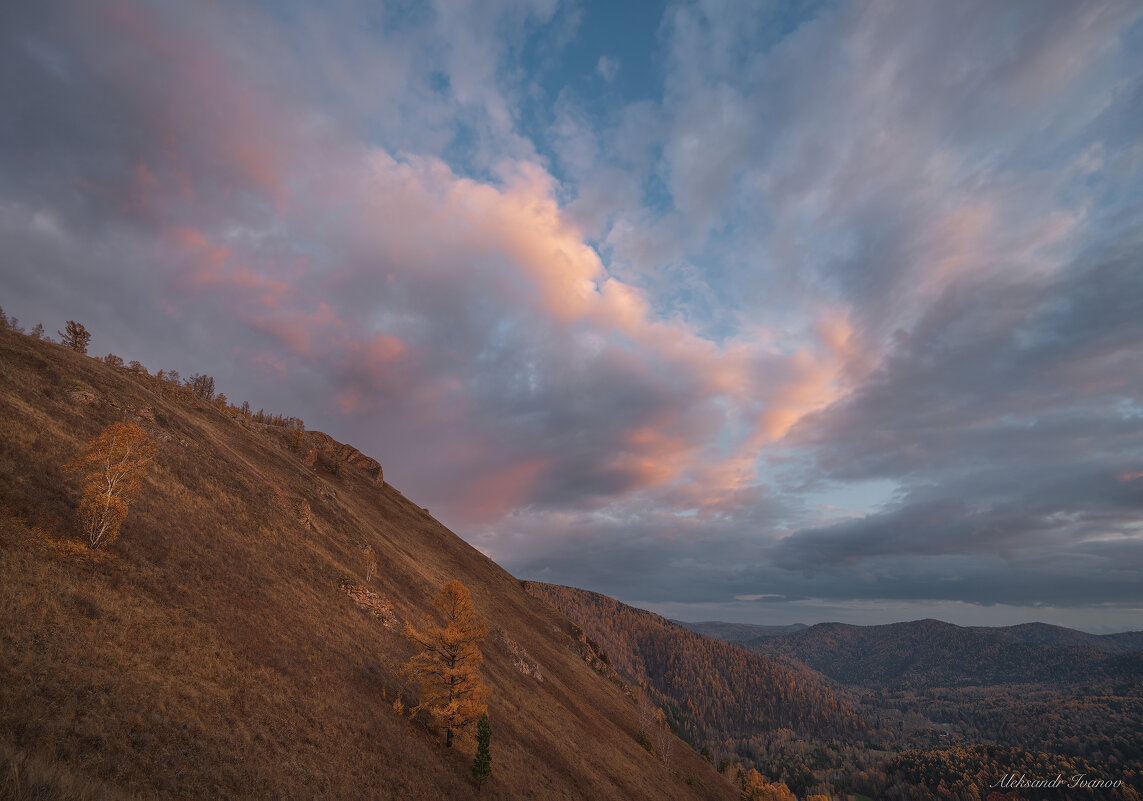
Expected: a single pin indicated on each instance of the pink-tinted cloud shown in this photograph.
(213, 267)
(210, 118)
(489, 493)
(870, 251)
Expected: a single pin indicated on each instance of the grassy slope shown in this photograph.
(211, 650)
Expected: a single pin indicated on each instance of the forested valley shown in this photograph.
(922, 711)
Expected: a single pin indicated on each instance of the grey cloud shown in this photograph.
(1045, 388)
(1010, 438)
(994, 370)
(664, 571)
(854, 133)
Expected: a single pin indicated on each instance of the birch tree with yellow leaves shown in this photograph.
(111, 468)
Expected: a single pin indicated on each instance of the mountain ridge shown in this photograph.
(932, 653)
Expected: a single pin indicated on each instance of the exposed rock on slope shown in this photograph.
(328, 453)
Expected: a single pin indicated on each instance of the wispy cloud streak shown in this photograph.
(628, 336)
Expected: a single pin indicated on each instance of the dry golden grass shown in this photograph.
(213, 650)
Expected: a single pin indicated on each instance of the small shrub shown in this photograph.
(297, 438)
(370, 563)
(482, 762)
(74, 336)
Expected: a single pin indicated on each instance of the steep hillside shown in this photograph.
(714, 689)
(231, 643)
(930, 653)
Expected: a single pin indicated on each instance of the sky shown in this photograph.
(764, 312)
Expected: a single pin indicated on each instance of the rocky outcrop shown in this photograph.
(298, 507)
(372, 603)
(584, 646)
(142, 411)
(327, 453)
(520, 659)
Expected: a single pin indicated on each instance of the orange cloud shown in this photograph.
(195, 85)
(818, 375)
(428, 226)
(490, 495)
(212, 266)
(653, 457)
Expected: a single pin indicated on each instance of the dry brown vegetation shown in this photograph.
(227, 644)
(111, 469)
(448, 665)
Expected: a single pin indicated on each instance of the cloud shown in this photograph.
(624, 344)
(607, 68)
(386, 283)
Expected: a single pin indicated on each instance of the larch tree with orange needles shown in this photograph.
(756, 788)
(75, 336)
(111, 467)
(448, 666)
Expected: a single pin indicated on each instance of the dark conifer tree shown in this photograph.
(482, 763)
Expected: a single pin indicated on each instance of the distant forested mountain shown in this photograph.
(929, 653)
(1046, 634)
(945, 711)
